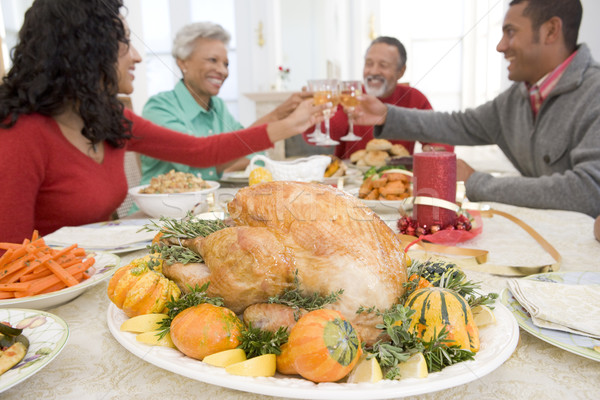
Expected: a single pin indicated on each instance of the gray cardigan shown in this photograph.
(557, 154)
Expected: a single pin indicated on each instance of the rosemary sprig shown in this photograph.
(196, 296)
(439, 354)
(256, 342)
(175, 254)
(400, 344)
(295, 298)
(448, 275)
(187, 228)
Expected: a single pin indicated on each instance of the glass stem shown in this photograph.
(350, 123)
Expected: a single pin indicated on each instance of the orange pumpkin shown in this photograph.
(139, 287)
(323, 347)
(205, 329)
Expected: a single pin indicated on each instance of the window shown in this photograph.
(161, 19)
(451, 52)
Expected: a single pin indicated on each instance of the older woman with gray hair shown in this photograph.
(193, 107)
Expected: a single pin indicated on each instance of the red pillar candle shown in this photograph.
(434, 176)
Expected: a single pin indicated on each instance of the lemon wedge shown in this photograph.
(414, 367)
(483, 316)
(153, 339)
(143, 323)
(264, 365)
(225, 358)
(366, 371)
(258, 175)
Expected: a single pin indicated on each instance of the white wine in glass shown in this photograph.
(325, 91)
(350, 90)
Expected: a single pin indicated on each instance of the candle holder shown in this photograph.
(435, 215)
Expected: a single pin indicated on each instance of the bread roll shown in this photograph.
(379, 144)
(399, 150)
(376, 158)
(357, 155)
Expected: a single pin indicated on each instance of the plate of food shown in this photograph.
(104, 265)
(235, 177)
(386, 190)
(498, 342)
(576, 344)
(118, 236)
(379, 153)
(46, 335)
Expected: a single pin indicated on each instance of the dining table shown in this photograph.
(94, 365)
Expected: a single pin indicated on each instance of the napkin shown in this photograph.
(106, 237)
(568, 308)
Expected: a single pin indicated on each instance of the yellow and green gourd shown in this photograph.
(438, 307)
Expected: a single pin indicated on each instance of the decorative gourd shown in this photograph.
(323, 347)
(140, 288)
(205, 329)
(438, 307)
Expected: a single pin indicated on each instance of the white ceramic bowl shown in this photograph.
(174, 205)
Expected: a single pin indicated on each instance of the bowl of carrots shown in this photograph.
(35, 275)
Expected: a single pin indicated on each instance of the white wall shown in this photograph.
(589, 32)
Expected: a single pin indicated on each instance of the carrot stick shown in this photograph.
(6, 295)
(8, 246)
(14, 266)
(37, 286)
(14, 287)
(62, 273)
(29, 273)
(35, 235)
(60, 285)
(5, 257)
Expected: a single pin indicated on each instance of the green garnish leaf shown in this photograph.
(295, 298)
(175, 254)
(186, 228)
(256, 342)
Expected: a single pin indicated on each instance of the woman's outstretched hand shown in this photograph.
(370, 111)
(303, 117)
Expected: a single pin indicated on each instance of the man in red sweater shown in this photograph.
(385, 64)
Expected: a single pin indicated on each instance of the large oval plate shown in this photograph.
(47, 335)
(498, 342)
(576, 344)
(105, 265)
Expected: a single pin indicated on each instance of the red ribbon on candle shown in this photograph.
(434, 176)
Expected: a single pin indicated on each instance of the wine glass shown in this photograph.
(350, 90)
(325, 91)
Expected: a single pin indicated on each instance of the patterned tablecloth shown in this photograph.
(95, 366)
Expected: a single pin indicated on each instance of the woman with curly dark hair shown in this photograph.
(64, 133)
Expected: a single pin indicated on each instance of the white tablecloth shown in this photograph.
(95, 366)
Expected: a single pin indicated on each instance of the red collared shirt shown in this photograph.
(540, 91)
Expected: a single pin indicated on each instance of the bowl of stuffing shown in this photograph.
(173, 194)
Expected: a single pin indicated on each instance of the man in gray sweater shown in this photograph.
(547, 123)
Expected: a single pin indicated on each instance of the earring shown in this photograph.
(184, 71)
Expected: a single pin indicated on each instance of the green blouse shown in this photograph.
(177, 109)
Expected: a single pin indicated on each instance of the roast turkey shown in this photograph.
(326, 236)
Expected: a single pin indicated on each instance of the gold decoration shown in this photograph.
(372, 34)
(261, 38)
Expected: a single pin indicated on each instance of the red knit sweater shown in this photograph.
(403, 96)
(47, 183)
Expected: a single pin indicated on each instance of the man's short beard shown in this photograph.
(375, 92)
